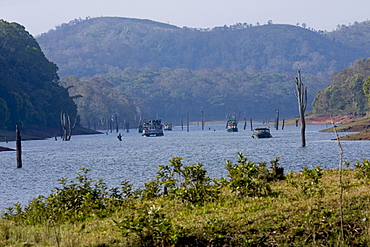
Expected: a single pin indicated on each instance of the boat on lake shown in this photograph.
(152, 128)
(167, 126)
(261, 133)
(232, 125)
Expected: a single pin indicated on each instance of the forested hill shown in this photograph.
(348, 93)
(356, 35)
(29, 90)
(98, 45)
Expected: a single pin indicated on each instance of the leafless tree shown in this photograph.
(67, 125)
(301, 94)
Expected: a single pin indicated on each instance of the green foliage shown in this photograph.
(347, 92)
(320, 223)
(188, 183)
(250, 179)
(217, 231)
(310, 183)
(29, 95)
(87, 213)
(366, 87)
(150, 227)
(152, 189)
(363, 169)
(276, 172)
(74, 201)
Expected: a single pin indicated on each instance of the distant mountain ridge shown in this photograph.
(99, 45)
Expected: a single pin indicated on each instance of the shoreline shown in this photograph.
(8, 136)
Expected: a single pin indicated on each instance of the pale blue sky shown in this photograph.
(38, 16)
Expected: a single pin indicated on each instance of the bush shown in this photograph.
(310, 183)
(363, 169)
(149, 227)
(188, 183)
(74, 201)
(250, 179)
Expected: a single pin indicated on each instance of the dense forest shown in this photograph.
(356, 35)
(348, 93)
(173, 93)
(99, 104)
(29, 91)
(98, 45)
(163, 70)
(125, 69)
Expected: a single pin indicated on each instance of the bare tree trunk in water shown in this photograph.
(18, 141)
(301, 94)
(277, 119)
(67, 126)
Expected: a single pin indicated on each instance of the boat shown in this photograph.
(261, 133)
(152, 128)
(167, 126)
(232, 125)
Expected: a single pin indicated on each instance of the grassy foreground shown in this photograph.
(255, 206)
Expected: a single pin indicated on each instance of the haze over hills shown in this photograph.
(168, 71)
(98, 45)
(356, 36)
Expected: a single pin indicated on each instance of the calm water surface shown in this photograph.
(137, 158)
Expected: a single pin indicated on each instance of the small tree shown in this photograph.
(301, 94)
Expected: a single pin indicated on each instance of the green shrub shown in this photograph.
(310, 185)
(74, 201)
(363, 169)
(189, 183)
(149, 227)
(217, 232)
(248, 178)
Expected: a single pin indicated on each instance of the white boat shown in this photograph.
(261, 133)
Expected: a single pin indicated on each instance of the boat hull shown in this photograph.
(261, 133)
(258, 136)
(152, 133)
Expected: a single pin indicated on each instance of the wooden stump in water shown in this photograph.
(277, 119)
(18, 142)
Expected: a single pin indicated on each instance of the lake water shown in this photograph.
(137, 158)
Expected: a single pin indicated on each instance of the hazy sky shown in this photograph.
(39, 16)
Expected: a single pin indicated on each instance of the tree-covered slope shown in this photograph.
(29, 90)
(99, 104)
(171, 94)
(98, 45)
(346, 93)
(356, 35)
